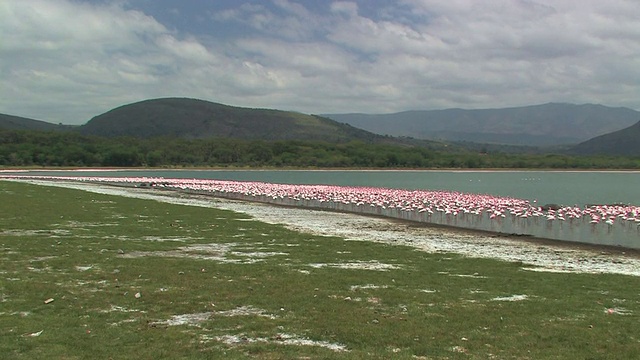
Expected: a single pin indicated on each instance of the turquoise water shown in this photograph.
(544, 187)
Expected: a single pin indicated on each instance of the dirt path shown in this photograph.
(536, 255)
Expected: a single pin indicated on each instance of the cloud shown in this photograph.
(67, 61)
(65, 56)
(345, 7)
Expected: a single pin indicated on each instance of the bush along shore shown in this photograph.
(613, 225)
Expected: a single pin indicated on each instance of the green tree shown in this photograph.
(122, 157)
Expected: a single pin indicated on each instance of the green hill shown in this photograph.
(625, 142)
(191, 118)
(11, 122)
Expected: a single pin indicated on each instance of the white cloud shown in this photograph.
(68, 61)
(64, 60)
(345, 7)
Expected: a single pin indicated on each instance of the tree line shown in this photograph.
(64, 149)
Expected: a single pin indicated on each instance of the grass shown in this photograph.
(139, 278)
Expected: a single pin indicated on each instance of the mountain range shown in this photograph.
(583, 129)
(537, 125)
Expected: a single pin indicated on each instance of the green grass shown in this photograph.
(256, 287)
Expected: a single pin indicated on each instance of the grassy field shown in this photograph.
(84, 275)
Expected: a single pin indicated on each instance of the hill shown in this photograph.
(537, 125)
(623, 142)
(191, 118)
(11, 122)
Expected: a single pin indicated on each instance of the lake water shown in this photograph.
(545, 187)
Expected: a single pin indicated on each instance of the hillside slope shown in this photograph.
(537, 125)
(191, 118)
(10, 122)
(625, 142)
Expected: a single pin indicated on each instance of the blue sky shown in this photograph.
(69, 60)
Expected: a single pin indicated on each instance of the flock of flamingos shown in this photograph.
(420, 201)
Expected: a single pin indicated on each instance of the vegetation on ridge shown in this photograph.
(34, 148)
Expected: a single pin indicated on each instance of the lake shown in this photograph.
(545, 187)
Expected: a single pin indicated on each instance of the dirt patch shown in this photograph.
(367, 287)
(115, 308)
(84, 225)
(281, 339)
(84, 268)
(246, 311)
(215, 252)
(358, 265)
(511, 298)
(49, 233)
(198, 318)
(186, 319)
(618, 311)
(165, 238)
(42, 258)
(220, 252)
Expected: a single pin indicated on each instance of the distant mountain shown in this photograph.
(11, 122)
(191, 118)
(537, 125)
(625, 142)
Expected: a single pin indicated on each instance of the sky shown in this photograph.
(65, 61)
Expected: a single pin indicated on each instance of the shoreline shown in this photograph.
(461, 170)
(535, 254)
(615, 224)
